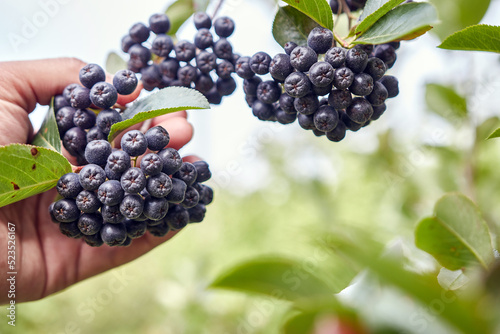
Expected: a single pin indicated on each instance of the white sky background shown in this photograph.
(225, 136)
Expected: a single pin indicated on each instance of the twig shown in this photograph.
(219, 5)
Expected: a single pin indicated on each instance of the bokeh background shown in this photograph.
(276, 186)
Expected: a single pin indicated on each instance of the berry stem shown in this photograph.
(217, 8)
(341, 41)
(134, 159)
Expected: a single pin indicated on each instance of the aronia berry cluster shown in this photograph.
(115, 198)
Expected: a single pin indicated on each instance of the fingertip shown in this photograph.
(180, 130)
(191, 158)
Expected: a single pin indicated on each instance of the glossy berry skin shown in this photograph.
(80, 97)
(169, 68)
(91, 74)
(225, 87)
(74, 141)
(224, 69)
(151, 77)
(338, 133)
(306, 122)
(162, 45)
(65, 210)
(386, 53)
(280, 67)
(187, 74)
(297, 84)
(307, 105)
(118, 161)
(321, 74)
(284, 118)
(224, 26)
(110, 192)
(113, 234)
(340, 99)
(322, 91)
(139, 32)
(287, 104)
(191, 197)
(242, 68)
(302, 58)
(68, 90)
(376, 68)
(68, 185)
(378, 111)
(336, 57)
(326, 119)
(262, 111)
(133, 180)
(259, 63)
(202, 171)
(127, 42)
(159, 185)
(197, 213)
(151, 164)
(64, 119)
(391, 84)
(203, 39)
(87, 201)
(111, 175)
(204, 83)
(139, 56)
(185, 51)
(360, 110)
(106, 118)
(135, 229)
(378, 95)
(134, 143)
(95, 133)
(125, 82)
(159, 23)
(155, 208)
(177, 217)
(206, 193)
(320, 39)
(131, 206)
(172, 160)
(362, 84)
(84, 118)
(356, 59)
(97, 152)
(103, 95)
(268, 91)
(178, 192)
(90, 223)
(187, 173)
(289, 46)
(91, 177)
(111, 214)
(93, 240)
(206, 61)
(70, 230)
(159, 230)
(223, 49)
(349, 123)
(202, 20)
(250, 85)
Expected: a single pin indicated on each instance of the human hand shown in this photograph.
(46, 260)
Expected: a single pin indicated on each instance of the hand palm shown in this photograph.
(46, 260)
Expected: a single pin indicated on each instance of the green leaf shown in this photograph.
(115, 63)
(292, 25)
(48, 134)
(456, 15)
(179, 11)
(373, 11)
(494, 134)
(476, 38)
(406, 21)
(445, 102)
(274, 276)
(318, 10)
(457, 236)
(164, 101)
(27, 170)
(463, 314)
